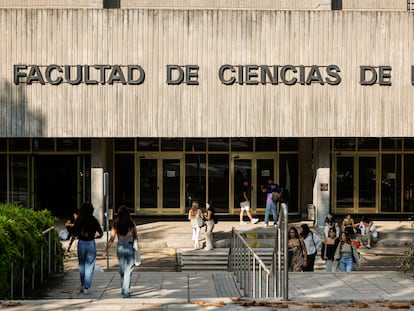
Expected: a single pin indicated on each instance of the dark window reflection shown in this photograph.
(195, 179)
(124, 181)
(289, 178)
(409, 143)
(391, 143)
(67, 144)
(125, 144)
(242, 144)
(172, 144)
(218, 181)
(85, 144)
(391, 183)
(3, 178)
(409, 183)
(196, 144)
(266, 144)
(368, 143)
(43, 144)
(148, 144)
(3, 144)
(288, 144)
(218, 144)
(19, 184)
(19, 144)
(344, 144)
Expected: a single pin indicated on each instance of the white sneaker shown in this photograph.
(266, 225)
(86, 291)
(243, 223)
(255, 220)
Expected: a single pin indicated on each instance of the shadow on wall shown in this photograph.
(16, 119)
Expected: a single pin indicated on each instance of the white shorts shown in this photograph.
(245, 206)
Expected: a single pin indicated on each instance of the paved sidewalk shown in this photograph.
(217, 291)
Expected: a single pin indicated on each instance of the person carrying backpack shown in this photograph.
(271, 189)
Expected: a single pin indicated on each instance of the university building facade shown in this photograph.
(182, 100)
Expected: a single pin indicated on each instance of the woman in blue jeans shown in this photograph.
(346, 253)
(87, 229)
(124, 229)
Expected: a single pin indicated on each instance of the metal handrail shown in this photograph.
(51, 247)
(252, 274)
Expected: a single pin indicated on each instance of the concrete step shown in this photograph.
(201, 260)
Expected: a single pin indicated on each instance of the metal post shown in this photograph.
(11, 280)
(285, 253)
(106, 194)
(23, 274)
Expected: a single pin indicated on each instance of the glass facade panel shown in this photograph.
(242, 144)
(3, 144)
(391, 183)
(344, 144)
(85, 144)
(344, 182)
(367, 182)
(288, 144)
(266, 144)
(171, 183)
(218, 144)
(391, 143)
(409, 143)
(196, 144)
(19, 179)
(3, 178)
(409, 183)
(172, 144)
(43, 144)
(148, 144)
(124, 181)
(195, 179)
(242, 171)
(148, 185)
(19, 144)
(218, 181)
(368, 143)
(67, 144)
(125, 144)
(289, 178)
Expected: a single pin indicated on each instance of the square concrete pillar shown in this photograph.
(98, 165)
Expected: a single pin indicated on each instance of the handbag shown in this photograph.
(137, 253)
(200, 222)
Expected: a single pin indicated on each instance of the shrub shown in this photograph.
(21, 233)
(407, 260)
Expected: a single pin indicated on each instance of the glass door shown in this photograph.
(160, 184)
(356, 184)
(242, 171)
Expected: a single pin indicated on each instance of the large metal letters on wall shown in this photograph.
(205, 73)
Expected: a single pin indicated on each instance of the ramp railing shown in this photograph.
(252, 275)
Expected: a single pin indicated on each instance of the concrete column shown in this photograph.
(98, 165)
(321, 186)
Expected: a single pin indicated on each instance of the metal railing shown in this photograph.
(47, 264)
(252, 275)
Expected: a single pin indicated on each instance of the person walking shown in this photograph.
(245, 204)
(269, 188)
(346, 253)
(297, 258)
(209, 217)
(124, 229)
(87, 229)
(194, 216)
(328, 250)
(313, 243)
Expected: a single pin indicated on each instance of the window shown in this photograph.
(112, 4)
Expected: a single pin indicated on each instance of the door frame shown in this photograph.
(159, 157)
(356, 209)
(253, 156)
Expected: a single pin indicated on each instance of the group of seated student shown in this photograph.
(365, 232)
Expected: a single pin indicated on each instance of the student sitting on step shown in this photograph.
(368, 233)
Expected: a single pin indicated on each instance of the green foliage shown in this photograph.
(407, 260)
(21, 240)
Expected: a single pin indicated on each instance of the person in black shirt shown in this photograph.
(87, 229)
(245, 203)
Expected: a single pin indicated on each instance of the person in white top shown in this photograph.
(368, 232)
(312, 242)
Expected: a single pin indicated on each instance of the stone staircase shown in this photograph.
(216, 259)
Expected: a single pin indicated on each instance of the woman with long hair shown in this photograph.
(87, 229)
(328, 250)
(209, 216)
(124, 229)
(296, 251)
(193, 216)
(312, 242)
(346, 253)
